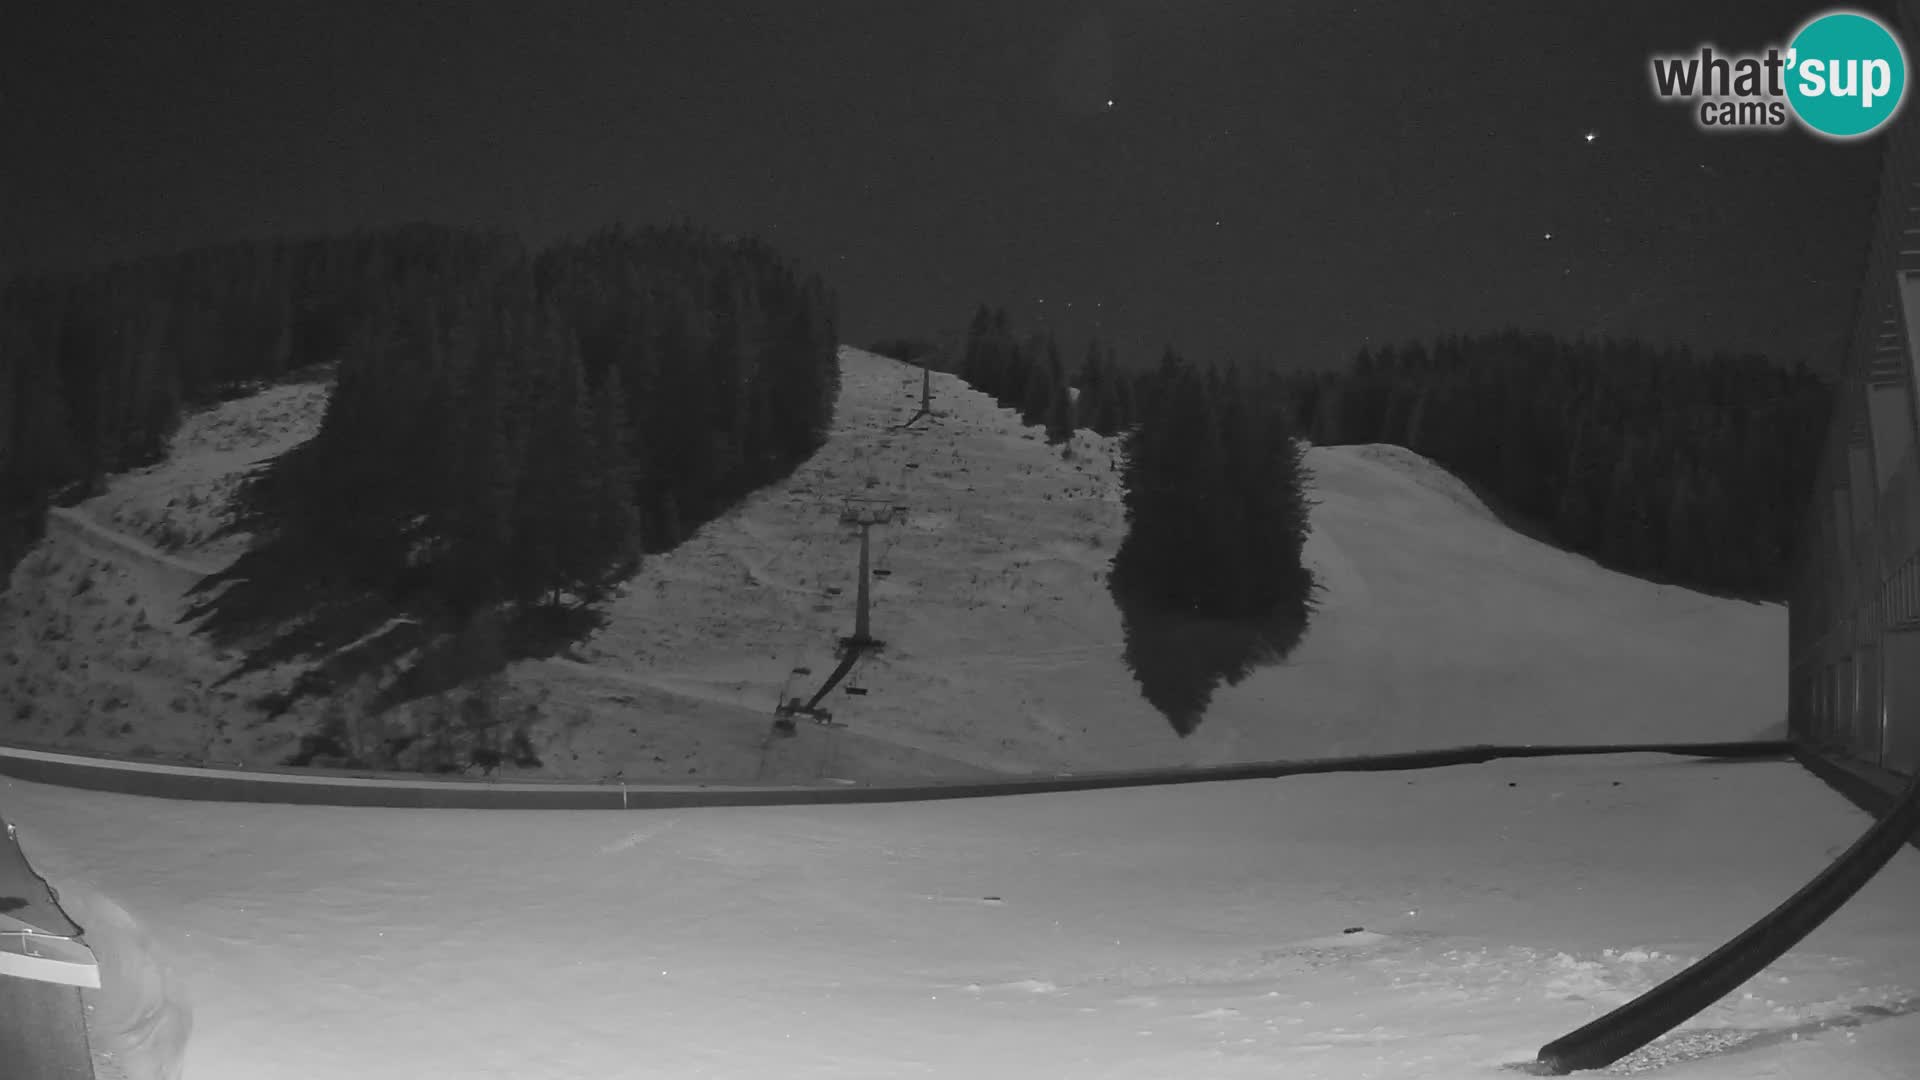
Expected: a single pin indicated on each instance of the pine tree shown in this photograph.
(47, 456)
(1220, 470)
(1683, 503)
(671, 529)
(618, 536)
(1625, 518)
(1184, 532)
(1089, 381)
(1005, 366)
(1329, 409)
(1582, 489)
(1415, 436)
(1126, 409)
(556, 518)
(973, 366)
(1100, 395)
(1059, 408)
(279, 353)
(1394, 417)
(725, 370)
(481, 521)
(1279, 511)
(1036, 389)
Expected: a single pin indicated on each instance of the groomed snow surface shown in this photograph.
(1176, 932)
(1173, 932)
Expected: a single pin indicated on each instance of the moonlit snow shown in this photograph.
(1193, 931)
(1426, 924)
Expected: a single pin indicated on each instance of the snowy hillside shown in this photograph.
(1437, 624)
(1197, 931)
(92, 655)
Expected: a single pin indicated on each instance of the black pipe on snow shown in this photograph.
(1680, 998)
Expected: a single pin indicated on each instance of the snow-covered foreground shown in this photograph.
(1157, 933)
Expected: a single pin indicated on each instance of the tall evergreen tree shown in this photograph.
(618, 532)
(1125, 406)
(481, 519)
(557, 506)
(1059, 405)
(973, 365)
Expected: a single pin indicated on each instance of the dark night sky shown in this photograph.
(1274, 182)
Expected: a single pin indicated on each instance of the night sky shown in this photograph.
(1273, 182)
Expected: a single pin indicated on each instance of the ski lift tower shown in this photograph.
(926, 396)
(864, 513)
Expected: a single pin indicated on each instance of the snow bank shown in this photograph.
(139, 1019)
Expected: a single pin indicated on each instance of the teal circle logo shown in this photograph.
(1847, 75)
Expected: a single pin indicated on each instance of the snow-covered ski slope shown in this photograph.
(1190, 931)
(1174, 932)
(1438, 625)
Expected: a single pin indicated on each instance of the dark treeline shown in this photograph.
(98, 365)
(1030, 376)
(520, 429)
(907, 350)
(1209, 579)
(509, 430)
(480, 388)
(1655, 462)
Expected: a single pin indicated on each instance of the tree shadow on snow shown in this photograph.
(275, 606)
(1181, 659)
(279, 604)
